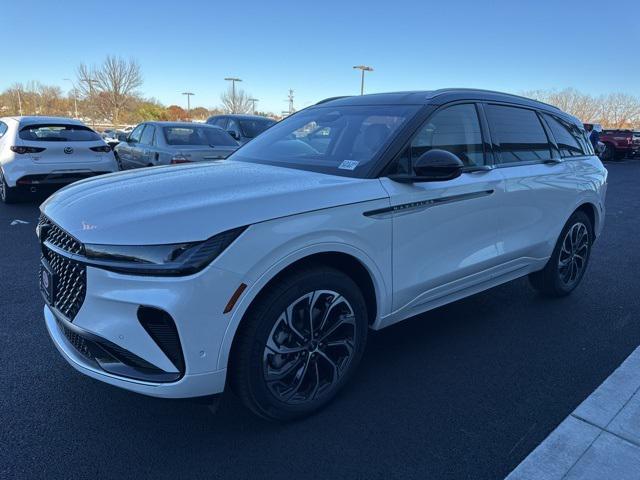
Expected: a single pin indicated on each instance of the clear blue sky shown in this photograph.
(311, 46)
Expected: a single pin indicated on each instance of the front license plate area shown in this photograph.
(47, 282)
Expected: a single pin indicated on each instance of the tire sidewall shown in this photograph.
(266, 317)
(577, 217)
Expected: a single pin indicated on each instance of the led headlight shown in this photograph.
(171, 259)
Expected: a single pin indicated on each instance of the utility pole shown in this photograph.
(75, 99)
(363, 68)
(253, 104)
(290, 100)
(233, 81)
(188, 94)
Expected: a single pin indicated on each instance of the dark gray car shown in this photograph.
(165, 143)
(242, 127)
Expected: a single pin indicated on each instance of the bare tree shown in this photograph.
(110, 87)
(239, 103)
(619, 110)
(615, 110)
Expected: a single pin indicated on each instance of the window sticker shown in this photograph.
(348, 165)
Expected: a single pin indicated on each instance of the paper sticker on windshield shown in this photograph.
(348, 165)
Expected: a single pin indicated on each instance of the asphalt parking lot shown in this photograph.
(465, 391)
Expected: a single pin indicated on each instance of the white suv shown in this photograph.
(264, 272)
(38, 152)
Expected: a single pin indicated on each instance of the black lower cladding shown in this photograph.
(111, 357)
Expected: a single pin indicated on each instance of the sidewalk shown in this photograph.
(599, 440)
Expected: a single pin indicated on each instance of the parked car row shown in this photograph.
(48, 152)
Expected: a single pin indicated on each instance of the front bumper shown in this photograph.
(109, 314)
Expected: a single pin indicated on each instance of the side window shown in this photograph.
(147, 135)
(3, 129)
(137, 133)
(455, 129)
(221, 122)
(569, 138)
(519, 134)
(233, 126)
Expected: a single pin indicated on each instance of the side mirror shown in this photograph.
(234, 134)
(433, 166)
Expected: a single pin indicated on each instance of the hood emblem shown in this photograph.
(88, 226)
(68, 150)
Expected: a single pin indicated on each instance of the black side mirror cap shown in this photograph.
(433, 166)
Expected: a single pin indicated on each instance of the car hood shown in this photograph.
(187, 203)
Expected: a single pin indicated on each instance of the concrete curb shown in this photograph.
(600, 439)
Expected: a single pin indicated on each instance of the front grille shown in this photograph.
(70, 276)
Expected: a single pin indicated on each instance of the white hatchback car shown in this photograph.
(264, 272)
(37, 152)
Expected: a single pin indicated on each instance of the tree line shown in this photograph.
(109, 93)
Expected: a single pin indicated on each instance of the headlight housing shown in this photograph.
(174, 259)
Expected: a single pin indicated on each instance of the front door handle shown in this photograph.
(553, 161)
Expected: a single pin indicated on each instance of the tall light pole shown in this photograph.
(188, 94)
(253, 104)
(363, 68)
(233, 81)
(75, 99)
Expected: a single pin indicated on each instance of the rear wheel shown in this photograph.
(7, 193)
(569, 260)
(299, 344)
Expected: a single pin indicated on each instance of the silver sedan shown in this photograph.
(166, 143)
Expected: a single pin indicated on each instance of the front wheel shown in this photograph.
(299, 344)
(569, 259)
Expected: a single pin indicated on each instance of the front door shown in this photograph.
(446, 235)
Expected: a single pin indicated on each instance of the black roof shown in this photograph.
(436, 97)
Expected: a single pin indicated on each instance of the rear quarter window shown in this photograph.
(57, 132)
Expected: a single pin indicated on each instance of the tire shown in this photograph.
(569, 260)
(118, 162)
(609, 153)
(277, 368)
(7, 194)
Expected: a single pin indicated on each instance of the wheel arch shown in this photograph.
(352, 263)
(592, 212)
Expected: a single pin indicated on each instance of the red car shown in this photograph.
(620, 143)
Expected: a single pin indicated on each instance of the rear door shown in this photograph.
(539, 190)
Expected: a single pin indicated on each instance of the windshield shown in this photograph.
(198, 135)
(58, 133)
(337, 140)
(253, 128)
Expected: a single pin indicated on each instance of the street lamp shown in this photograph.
(253, 104)
(363, 68)
(233, 81)
(188, 94)
(75, 99)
